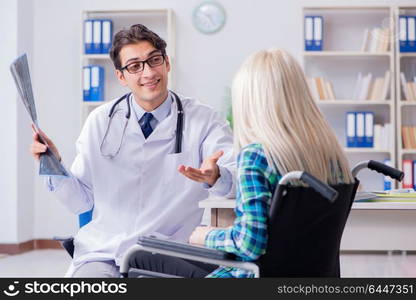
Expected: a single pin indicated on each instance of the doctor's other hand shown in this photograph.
(198, 235)
(209, 171)
(37, 148)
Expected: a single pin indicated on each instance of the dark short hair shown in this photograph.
(136, 33)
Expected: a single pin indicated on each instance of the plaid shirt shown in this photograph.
(247, 239)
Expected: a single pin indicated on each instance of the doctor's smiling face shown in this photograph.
(145, 71)
(141, 63)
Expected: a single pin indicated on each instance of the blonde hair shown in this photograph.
(272, 105)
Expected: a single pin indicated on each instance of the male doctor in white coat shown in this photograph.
(126, 167)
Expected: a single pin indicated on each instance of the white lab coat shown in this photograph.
(140, 191)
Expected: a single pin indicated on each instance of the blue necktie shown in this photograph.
(145, 124)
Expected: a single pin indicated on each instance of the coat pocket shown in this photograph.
(189, 157)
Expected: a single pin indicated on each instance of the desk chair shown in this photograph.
(305, 227)
(68, 242)
(85, 218)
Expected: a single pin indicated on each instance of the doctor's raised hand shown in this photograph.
(208, 173)
(37, 147)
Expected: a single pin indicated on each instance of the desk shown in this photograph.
(371, 226)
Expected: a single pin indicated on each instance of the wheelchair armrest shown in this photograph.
(184, 248)
(185, 251)
(137, 273)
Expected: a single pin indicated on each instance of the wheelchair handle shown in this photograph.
(380, 168)
(325, 190)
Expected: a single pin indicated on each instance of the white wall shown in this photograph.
(25, 165)
(8, 131)
(204, 67)
(16, 176)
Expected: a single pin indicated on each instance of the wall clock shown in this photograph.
(209, 17)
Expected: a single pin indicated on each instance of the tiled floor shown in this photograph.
(378, 265)
(53, 263)
(39, 263)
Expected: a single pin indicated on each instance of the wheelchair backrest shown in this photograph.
(305, 233)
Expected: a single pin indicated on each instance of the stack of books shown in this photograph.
(321, 89)
(376, 40)
(382, 136)
(367, 89)
(409, 88)
(409, 137)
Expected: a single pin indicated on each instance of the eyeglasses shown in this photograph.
(138, 66)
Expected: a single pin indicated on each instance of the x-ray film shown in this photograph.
(49, 164)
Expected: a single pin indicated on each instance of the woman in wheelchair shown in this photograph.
(278, 128)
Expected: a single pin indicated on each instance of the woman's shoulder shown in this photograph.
(252, 154)
(253, 148)
(252, 157)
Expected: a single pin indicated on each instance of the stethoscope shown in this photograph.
(179, 125)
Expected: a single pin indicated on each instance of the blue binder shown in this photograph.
(360, 129)
(86, 78)
(88, 37)
(411, 33)
(350, 129)
(97, 83)
(387, 181)
(308, 33)
(369, 130)
(107, 35)
(313, 29)
(96, 36)
(403, 33)
(318, 30)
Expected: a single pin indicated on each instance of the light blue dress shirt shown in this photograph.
(159, 114)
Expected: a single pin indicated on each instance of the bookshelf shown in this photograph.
(371, 226)
(159, 20)
(340, 61)
(406, 109)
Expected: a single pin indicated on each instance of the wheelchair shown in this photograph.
(305, 227)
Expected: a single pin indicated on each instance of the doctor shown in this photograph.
(130, 154)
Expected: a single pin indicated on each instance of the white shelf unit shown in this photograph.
(406, 110)
(160, 21)
(353, 102)
(345, 53)
(340, 61)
